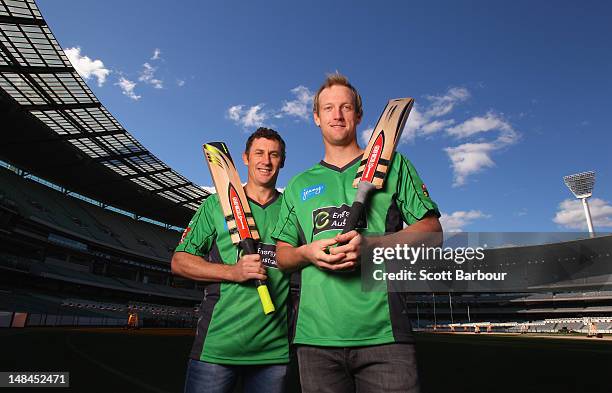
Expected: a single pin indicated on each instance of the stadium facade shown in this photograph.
(89, 217)
(66, 260)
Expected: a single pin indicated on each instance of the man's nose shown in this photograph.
(337, 113)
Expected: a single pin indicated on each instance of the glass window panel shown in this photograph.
(56, 121)
(20, 89)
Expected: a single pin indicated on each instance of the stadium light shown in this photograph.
(581, 185)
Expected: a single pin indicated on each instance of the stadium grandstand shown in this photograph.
(578, 300)
(88, 216)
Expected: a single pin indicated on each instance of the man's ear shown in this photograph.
(317, 121)
(245, 159)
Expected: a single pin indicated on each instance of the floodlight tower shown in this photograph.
(581, 185)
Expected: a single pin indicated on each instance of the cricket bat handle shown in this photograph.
(249, 247)
(353, 218)
(359, 204)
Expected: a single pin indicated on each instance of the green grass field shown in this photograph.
(154, 360)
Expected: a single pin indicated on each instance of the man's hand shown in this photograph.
(316, 254)
(351, 244)
(249, 267)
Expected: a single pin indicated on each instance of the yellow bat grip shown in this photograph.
(266, 300)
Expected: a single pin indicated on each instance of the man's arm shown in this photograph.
(290, 258)
(427, 232)
(191, 266)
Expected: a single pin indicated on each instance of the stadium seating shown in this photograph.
(51, 207)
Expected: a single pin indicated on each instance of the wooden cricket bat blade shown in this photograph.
(232, 198)
(378, 154)
(236, 208)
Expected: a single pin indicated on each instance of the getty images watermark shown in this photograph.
(486, 262)
(422, 254)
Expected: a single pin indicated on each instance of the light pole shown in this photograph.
(450, 302)
(581, 185)
(434, 304)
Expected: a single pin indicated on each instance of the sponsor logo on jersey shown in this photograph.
(333, 218)
(312, 191)
(268, 254)
(185, 233)
(425, 192)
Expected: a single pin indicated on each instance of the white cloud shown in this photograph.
(522, 212)
(301, 106)
(414, 123)
(468, 159)
(442, 105)
(127, 87)
(479, 124)
(147, 75)
(156, 54)
(180, 82)
(251, 117)
(435, 126)
(471, 158)
(234, 113)
(459, 219)
(366, 135)
(87, 67)
(570, 214)
(422, 120)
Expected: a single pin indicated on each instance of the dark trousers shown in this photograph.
(387, 368)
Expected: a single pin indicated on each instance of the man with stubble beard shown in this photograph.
(349, 340)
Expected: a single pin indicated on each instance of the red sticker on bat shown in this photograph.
(241, 222)
(373, 158)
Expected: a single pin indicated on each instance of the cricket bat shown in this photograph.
(236, 209)
(378, 156)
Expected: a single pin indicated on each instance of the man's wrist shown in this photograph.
(303, 259)
(229, 273)
(372, 242)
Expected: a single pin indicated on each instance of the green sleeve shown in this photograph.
(412, 195)
(199, 235)
(287, 226)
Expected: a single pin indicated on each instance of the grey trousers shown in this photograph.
(388, 368)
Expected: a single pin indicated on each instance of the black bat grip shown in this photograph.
(249, 247)
(354, 216)
(364, 189)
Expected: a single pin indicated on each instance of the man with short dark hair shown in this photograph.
(349, 340)
(234, 338)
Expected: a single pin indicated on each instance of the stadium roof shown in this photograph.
(55, 127)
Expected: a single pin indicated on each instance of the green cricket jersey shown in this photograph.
(333, 309)
(232, 328)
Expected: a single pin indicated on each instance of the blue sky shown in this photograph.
(510, 96)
